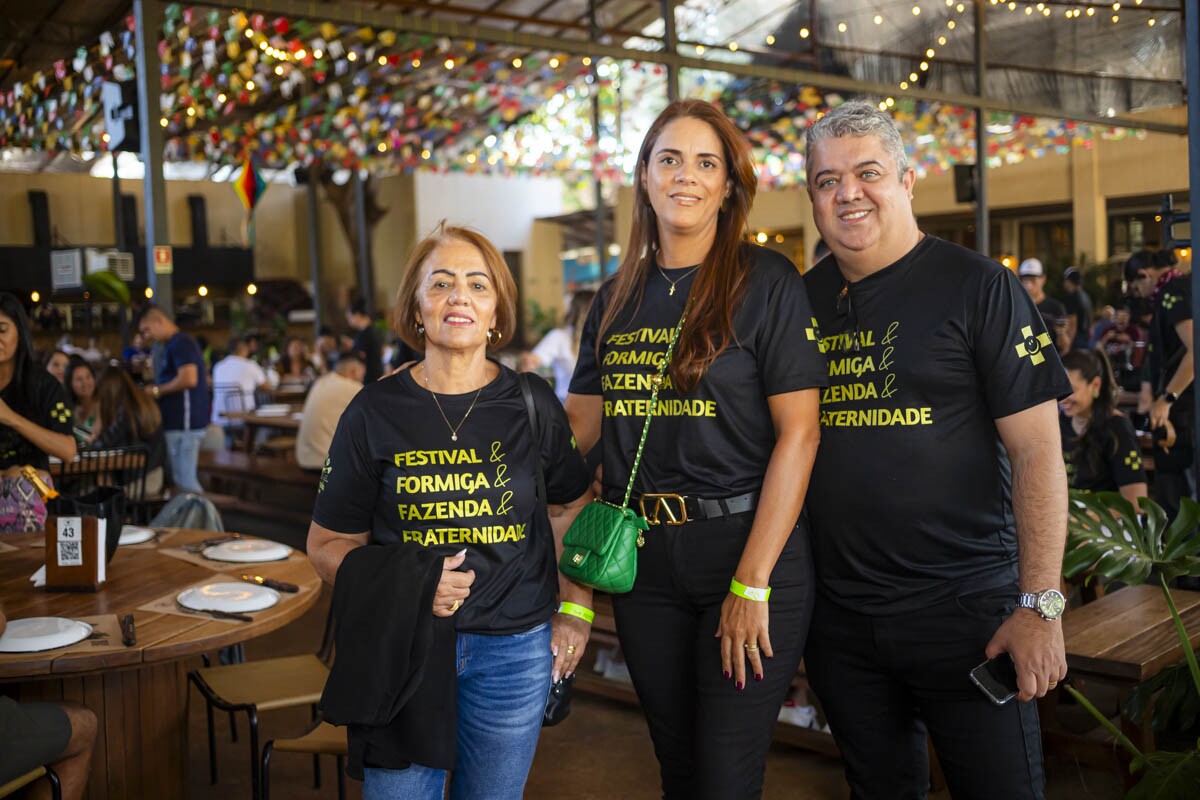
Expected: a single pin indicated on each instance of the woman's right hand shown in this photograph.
(454, 586)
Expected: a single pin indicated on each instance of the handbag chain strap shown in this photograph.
(655, 384)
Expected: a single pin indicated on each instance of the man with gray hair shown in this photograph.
(938, 498)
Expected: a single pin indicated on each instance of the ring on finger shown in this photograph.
(570, 649)
(750, 648)
(454, 606)
(1051, 684)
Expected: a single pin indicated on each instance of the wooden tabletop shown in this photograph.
(139, 575)
(1129, 634)
(289, 420)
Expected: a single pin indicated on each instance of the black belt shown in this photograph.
(668, 508)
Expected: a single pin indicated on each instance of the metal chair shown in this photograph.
(22, 781)
(266, 685)
(320, 739)
(116, 466)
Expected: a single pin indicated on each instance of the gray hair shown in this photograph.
(857, 118)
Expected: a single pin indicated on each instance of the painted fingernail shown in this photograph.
(758, 676)
(740, 686)
(726, 674)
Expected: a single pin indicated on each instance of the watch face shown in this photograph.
(1051, 603)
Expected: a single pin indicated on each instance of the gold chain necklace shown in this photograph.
(677, 280)
(454, 429)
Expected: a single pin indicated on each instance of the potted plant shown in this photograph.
(1106, 536)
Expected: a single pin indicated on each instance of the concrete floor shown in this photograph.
(602, 752)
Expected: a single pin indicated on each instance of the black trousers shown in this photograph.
(884, 681)
(711, 740)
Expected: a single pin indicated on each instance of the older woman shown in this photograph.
(730, 451)
(439, 460)
(35, 421)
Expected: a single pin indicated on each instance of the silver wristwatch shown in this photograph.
(1049, 604)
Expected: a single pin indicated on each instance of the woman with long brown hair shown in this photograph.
(725, 579)
(127, 416)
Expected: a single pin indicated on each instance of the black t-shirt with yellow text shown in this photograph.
(910, 500)
(394, 471)
(715, 441)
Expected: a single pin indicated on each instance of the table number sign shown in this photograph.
(75, 553)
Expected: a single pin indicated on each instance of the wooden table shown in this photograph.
(252, 421)
(139, 693)
(1121, 639)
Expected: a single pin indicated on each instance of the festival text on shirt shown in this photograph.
(644, 347)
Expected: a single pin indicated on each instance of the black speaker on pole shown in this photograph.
(129, 222)
(39, 208)
(199, 220)
(964, 183)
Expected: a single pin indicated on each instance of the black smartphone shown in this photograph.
(997, 679)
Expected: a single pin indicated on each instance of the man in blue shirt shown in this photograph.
(181, 389)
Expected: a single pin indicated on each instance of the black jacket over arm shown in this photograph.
(393, 677)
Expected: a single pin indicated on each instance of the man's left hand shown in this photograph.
(1037, 650)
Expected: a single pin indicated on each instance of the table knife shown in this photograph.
(270, 583)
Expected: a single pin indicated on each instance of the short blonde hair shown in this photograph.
(405, 314)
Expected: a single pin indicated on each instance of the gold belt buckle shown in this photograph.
(663, 503)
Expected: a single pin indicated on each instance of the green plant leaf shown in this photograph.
(1105, 535)
(107, 287)
(1142, 696)
(1166, 776)
(1178, 540)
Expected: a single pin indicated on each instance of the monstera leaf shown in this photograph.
(1173, 696)
(1106, 535)
(1166, 775)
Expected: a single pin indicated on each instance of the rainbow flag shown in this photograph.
(249, 186)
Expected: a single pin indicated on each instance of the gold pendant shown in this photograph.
(672, 292)
(641, 540)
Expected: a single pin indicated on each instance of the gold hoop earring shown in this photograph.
(492, 332)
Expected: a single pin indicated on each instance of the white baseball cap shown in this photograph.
(1031, 268)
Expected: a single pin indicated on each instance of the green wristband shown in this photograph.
(750, 592)
(576, 610)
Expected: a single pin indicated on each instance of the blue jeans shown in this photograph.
(503, 682)
(183, 450)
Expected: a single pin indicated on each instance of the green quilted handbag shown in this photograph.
(600, 548)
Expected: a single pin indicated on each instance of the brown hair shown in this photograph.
(116, 392)
(721, 280)
(405, 313)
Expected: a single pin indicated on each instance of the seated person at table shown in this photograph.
(81, 395)
(35, 422)
(296, 371)
(56, 365)
(235, 379)
(323, 407)
(1099, 444)
(126, 416)
(55, 735)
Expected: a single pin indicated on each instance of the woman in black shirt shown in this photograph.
(35, 421)
(438, 464)
(732, 444)
(1099, 444)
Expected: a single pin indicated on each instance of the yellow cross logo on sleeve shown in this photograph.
(60, 412)
(1133, 460)
(1031, 348)
(813, 334)
(1168, 301)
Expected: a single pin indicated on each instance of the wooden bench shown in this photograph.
(262, 485)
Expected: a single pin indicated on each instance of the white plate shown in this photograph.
(42, 633)
(132, 534)
(247, 550)
(233, 596)
(274, 409)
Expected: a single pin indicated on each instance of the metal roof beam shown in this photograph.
(357, 15)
